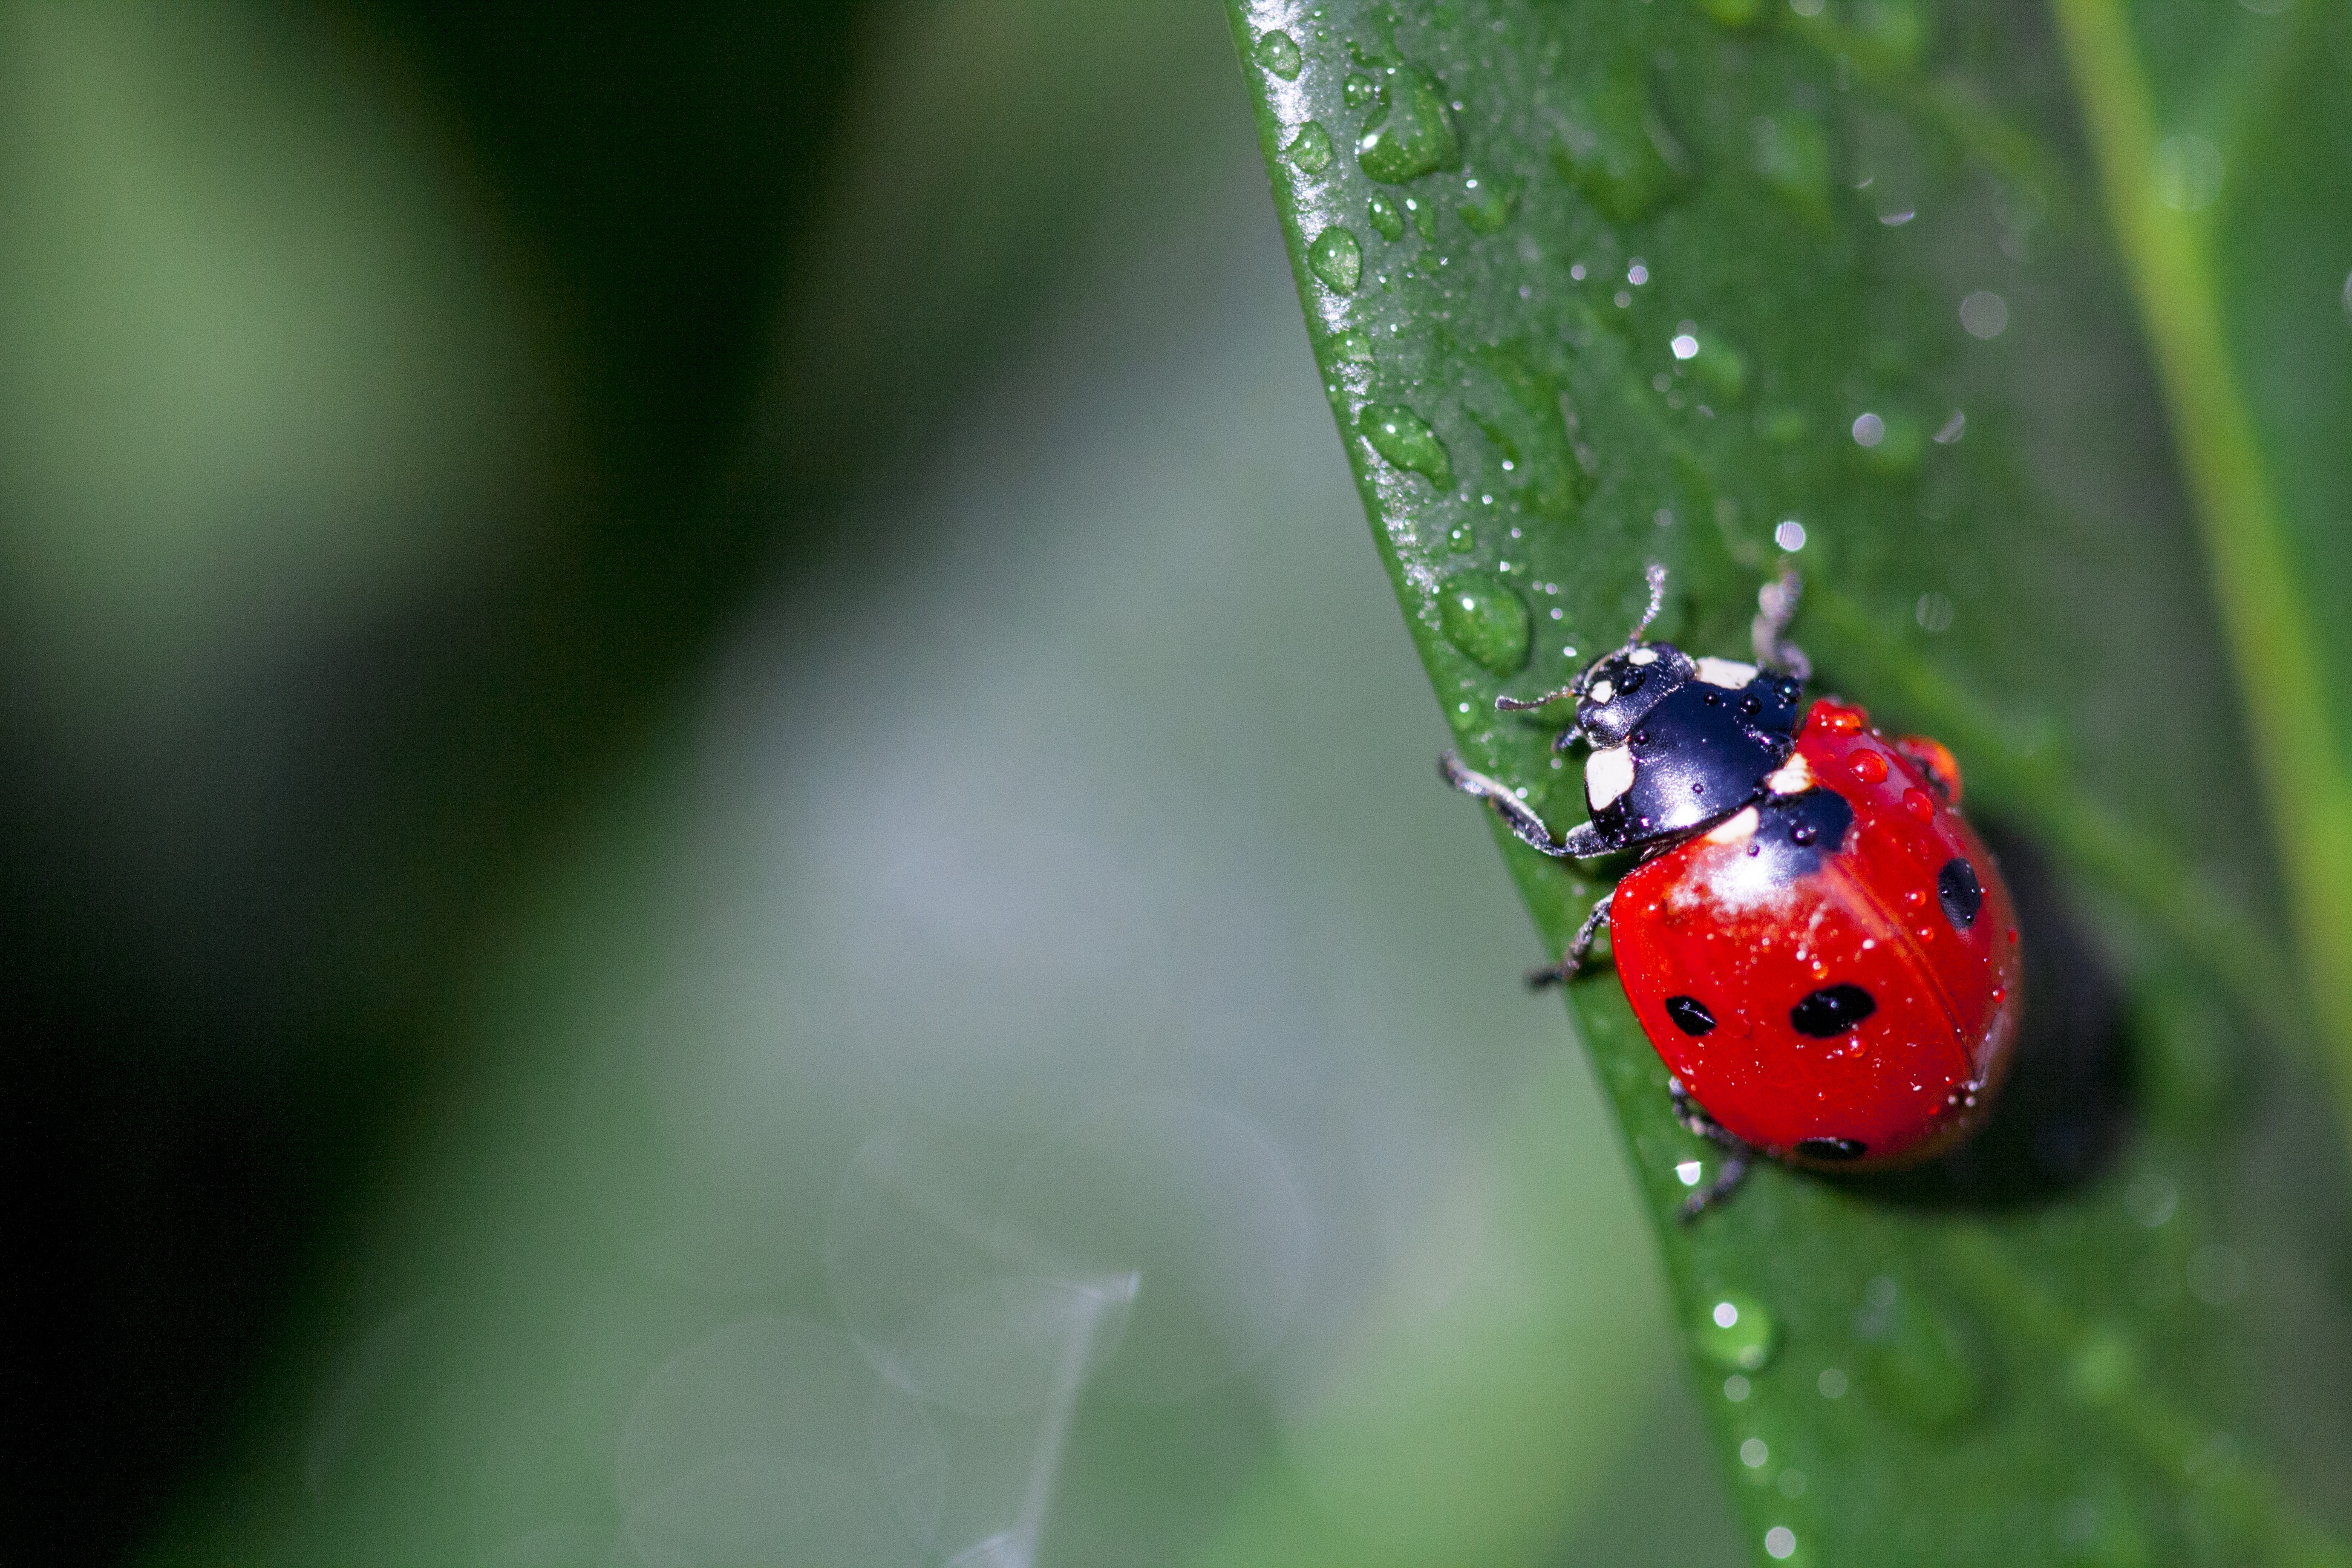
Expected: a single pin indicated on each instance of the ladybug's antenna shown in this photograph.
(1776, 606)
(1656, 573)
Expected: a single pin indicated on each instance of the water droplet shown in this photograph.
(2187, 171)
(1984, 314)
(1832, 1382)
(1310, 149)
(1387, 220)
(1684, 344)
(1411, 133)
(1406, 441)
(1352, 347)
(1337, 259)
(1359, 91)
(1738, 1332)
(1953, 429)
(1489, 210)
(1933, 613)
(1791, 152)
(1460, 539)
(1424, 217)
(1483, 617)
(1789, 535)
(1780, 1541)
(1753, 1453)
(1736, 1388)
(1869, 430)
(1918, 1365)
(1619, 154)
(1278, 53)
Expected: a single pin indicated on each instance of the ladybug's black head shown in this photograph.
(1619, 688)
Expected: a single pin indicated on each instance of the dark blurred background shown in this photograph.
(656, 902)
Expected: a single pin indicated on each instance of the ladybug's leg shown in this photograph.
(1776, 606)
(1566, 738)
(1579, 947)
(1526, 824)
(1735, 1152)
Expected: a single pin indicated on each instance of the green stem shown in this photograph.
(2255, 581)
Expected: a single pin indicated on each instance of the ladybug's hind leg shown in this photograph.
(1736, 1154)
(1579, 947)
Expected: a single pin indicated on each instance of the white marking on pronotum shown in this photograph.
(1793, 778)
(1642, 655)
(1726, 672)
(1602, 691)
(1606, 775)
(1736, 829)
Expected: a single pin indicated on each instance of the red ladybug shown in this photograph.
(1820, 950)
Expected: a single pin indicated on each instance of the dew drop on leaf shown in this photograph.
(1404, 440)
(1488, 209)
(1310, 150)
(1337, 259)
(1411, 133)
(1792, 153)
(1918, 1365)
(1486, 618)
(1278, 53)
(1387, 218)
(1619, 154)
(1737, 1332)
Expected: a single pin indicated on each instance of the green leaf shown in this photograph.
(1829, 285)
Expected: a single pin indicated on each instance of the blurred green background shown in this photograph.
(659, 901)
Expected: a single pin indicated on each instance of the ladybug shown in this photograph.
(1819, 947)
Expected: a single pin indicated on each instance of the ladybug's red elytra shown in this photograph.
(1820, 948)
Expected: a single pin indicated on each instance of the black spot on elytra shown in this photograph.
(1962, 893)
(1690, 1014)
(1832, 1010)
(1831, 1148)
(2073, 1096)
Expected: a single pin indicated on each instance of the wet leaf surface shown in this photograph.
(1727, 285)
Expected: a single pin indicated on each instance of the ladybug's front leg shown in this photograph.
(1579, 947)
(1525, 824)
(1735, 1152)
